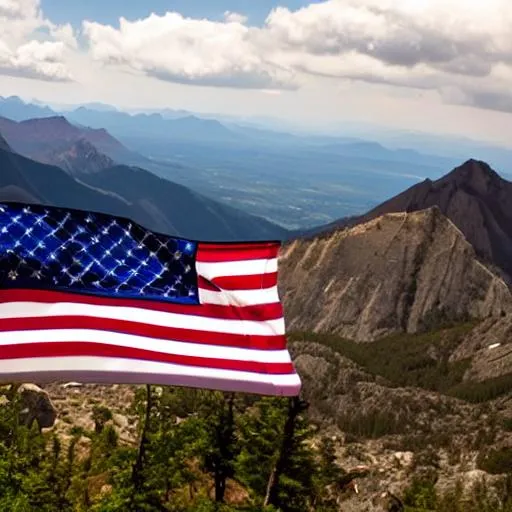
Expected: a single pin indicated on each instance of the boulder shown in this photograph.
(35, 405)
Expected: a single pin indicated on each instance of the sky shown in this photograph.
(442, 66)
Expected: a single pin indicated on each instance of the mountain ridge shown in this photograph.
(473, 196)
(382, 276)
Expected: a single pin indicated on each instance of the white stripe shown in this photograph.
(236, 268)
(143, 342)
(113, 370)
(146, 316)
(239, 297)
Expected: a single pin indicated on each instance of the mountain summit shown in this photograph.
(474, 197)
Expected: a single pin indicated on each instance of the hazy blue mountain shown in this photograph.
(155, 126)
(15, 108)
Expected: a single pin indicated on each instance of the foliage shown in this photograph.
(417, 360)
(262, 453)
(422, 496)
(496, 460)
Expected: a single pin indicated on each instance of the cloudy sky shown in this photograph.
(432, 65)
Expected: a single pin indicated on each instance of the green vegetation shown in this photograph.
(208, 452)
(421, 496)
(196, 451)
(496, 461)
(418, 360)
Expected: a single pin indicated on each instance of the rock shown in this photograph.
(35, 404)
(121, 421)
(400, 272)
(72, 385)
(404, 458)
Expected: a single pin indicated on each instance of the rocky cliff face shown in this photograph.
(399, 272)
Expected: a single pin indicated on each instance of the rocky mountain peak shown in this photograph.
(476, 175)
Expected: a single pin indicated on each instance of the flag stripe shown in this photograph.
(260, 312)
(260, 342)
(236, 252)
(236, 268)
(62, 309)
(240, 298)
(71, 348)
(112, 370)
(252, 282)
(145, 343)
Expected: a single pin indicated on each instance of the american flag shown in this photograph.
(95, 298)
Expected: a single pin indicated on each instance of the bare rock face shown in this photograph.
(399, 272)
(35, 405)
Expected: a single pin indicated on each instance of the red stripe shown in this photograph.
(74, 348)
(259, 342)
(206, 284)
(260, 313)
(216, 253)
(252, 282)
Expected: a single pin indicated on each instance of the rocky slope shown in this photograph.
(397, 432)
(489, 347)
(399, 272)
(77, 158)
(474, 197)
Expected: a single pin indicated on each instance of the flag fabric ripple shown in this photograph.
(95, 298)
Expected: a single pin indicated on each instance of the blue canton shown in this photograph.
(70, 250)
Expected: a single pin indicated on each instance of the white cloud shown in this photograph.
(448, 45)
(30, 45)
(443, 45)
(235, 17)
(186, 50)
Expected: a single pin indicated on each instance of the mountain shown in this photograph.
(51, 185)
(153, 202)
(474, 197)
(37, 138)
(15, 108)
(409, 271)
(188, 128)
(78, 158)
